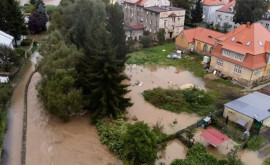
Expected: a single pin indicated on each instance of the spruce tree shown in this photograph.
(2, 15)
(197, 13)
(14, 21)
(40, 9)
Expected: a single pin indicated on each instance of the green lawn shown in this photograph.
(156, 56)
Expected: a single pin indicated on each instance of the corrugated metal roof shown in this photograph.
(254, 105)
(5, 38)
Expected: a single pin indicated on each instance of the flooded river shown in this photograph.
(166, 77)
(46, 2)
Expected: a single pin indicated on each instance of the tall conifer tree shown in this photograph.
(197, 13)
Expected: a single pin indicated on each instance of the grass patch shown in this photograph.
(188, 100)
(266, 161)
(156, 56)
(255, 142)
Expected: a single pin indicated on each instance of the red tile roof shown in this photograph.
(227, 6)
(202, 34)
(256, 34)
(214, 2)
(138, 2)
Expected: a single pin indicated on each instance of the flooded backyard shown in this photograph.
(165, 77)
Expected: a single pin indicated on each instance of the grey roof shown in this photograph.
(254, 105)
(158, 9)
(241, 122)
(5, 38)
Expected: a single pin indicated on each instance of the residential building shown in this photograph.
(198, 39)
(134, 32)
(243, 54)
(154, 15)
(6, 39)
(265, 21)
(249, 111)
(225, 15)
(209, 9)
(266, 90)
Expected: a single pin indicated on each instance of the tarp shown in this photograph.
(214, 137)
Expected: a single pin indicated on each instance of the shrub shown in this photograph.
(266, 161)
(20, 51)
(26, 42)
(146, 41)
(255, 142)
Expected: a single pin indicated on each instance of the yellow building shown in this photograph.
(249, 110)
(243, 54)
(198, 39)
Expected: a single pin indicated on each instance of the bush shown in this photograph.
(26, 42)
(146, 41)
(255, 142)
(20, 52)
(266, 161)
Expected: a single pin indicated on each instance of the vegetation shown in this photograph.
(11, 19)
(135, 143)
(188, 100)
(185, 4)
(197, 155)
(9, 58)
(161, 36)
(266, 161)
(146, 40)
(249, 10)
(57, 89)
(255, 142)
(197, 13)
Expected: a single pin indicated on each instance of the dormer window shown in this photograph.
(230, 9)
(239, 42)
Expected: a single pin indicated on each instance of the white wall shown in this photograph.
(151, 3)
(209, 13)
(222, 17)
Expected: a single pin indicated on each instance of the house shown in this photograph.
(225, 15)
(243, 54)
(247, 111)
(154, 15)
(198, 39)
(134, 32)
(265, 21)
(6, 39)
(209, 9)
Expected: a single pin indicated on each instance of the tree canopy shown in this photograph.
(197, 13)
(8, 58)
(249, 10)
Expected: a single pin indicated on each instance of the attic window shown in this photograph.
(260, 43)
(248, 43)
(233, 39)
(239, 42)
(210, 37)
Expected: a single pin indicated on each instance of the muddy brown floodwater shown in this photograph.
(165, 77)
(52, 142)
(46, 2)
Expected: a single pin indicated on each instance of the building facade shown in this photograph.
(243, 54)
(209, 9)
(154, 15)
(265, 21)
(225, 15)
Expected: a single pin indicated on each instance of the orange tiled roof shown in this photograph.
(138, 2)
(202, 34)
(214, 2)
(226, 7)
(253, 41)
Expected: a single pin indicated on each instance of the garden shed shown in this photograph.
(250, 110)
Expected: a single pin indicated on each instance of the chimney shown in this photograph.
(248, 24)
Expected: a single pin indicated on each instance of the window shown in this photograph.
(173, 19)
(237, 69)
(179, 19)
(181, 36)
(220, 62)
(268, 58)
(165, 22)
(211, 49)
(205, 47)
(141, 9)
(233, 55)
(226, 18)
(256, 73)
(150, 21)
(231, 19)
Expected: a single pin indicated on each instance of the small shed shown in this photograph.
(214, 137)
(250, 110)
(4, 79)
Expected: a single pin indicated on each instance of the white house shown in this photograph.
(225, 15)
(209, 9)
(266, 20)
(6, 39)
